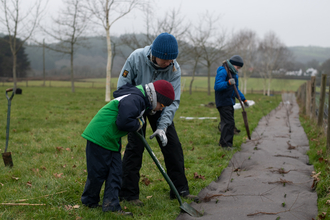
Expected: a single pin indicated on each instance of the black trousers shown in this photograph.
(102, 166)
(132, 162)
(227, 125)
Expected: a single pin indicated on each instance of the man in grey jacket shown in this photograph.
(143, 66)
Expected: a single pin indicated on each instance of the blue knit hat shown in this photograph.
(165, 47)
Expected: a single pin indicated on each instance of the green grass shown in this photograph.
(200, 83)
(319, 157)
(49, 153)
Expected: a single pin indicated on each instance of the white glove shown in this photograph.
(162, 136)
(152, 112)
(231, 82)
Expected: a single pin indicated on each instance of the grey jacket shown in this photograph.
(139, 70)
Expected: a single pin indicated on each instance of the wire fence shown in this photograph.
(314, 100)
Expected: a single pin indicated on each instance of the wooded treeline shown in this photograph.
(203, 46)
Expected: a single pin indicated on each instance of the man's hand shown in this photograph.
(231, 82)
(162, 136)
(246, 103)
(141, 121)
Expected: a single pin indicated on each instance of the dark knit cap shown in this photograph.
(164, 91)
(165, 47)
(236, 60)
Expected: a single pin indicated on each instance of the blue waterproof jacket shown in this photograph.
(138, 69)
(224, 93)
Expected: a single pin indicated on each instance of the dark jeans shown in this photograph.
(227, 125)
(132, 162)
(102, 166)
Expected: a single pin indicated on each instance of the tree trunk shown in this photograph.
(14, 69)
(193, 78)
(72, 78)
(269, 82)
(43, 62)
(108, 72)
(208, 79)
(264, 86)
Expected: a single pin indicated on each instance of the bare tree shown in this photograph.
(273, 55)
(68, 30)
(244, 43)
(212, 43)
(19, 23)
(106, 13)
(172, 22)
(195, 51)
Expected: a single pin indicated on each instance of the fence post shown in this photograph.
(328, 129)
(313, 97)
(322, 99)
(308, 98)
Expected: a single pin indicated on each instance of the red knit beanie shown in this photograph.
(165, 92)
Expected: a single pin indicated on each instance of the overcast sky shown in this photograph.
(296, 22)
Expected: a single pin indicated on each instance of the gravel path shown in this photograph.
(270, 177)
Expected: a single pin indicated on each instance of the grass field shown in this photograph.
(49, 153)
(199, 84)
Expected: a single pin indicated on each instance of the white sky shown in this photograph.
(296, 22)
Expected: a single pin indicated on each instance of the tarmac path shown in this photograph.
(270, 178)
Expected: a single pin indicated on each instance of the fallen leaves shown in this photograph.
(29, 183)
(146, 181)
(196, 176)
(316, 179)
(58, 175)
(70, 207)
(322, 215)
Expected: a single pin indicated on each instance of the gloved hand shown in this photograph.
(152, 112)
(246, 103)
(141, 121)
(231, 82)
(162, 136)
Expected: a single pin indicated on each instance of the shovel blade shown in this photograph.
(246, 124)
(190, 210)
(7, 159)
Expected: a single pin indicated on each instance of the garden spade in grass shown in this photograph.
(6, 156)
(183, 206)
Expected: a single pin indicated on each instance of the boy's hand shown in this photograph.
(231, 82)
(162, 136)
(141, 121)
(246, 103)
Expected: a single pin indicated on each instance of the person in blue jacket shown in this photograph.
(103, 134)
(225, 98)
(145, 65)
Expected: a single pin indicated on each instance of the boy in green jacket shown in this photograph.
(122, 115)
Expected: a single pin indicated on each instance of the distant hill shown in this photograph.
(305, 54)
(92, 59)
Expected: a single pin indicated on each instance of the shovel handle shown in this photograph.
(12, 95)
(240, 101)
(161, 169)
(230, 77)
